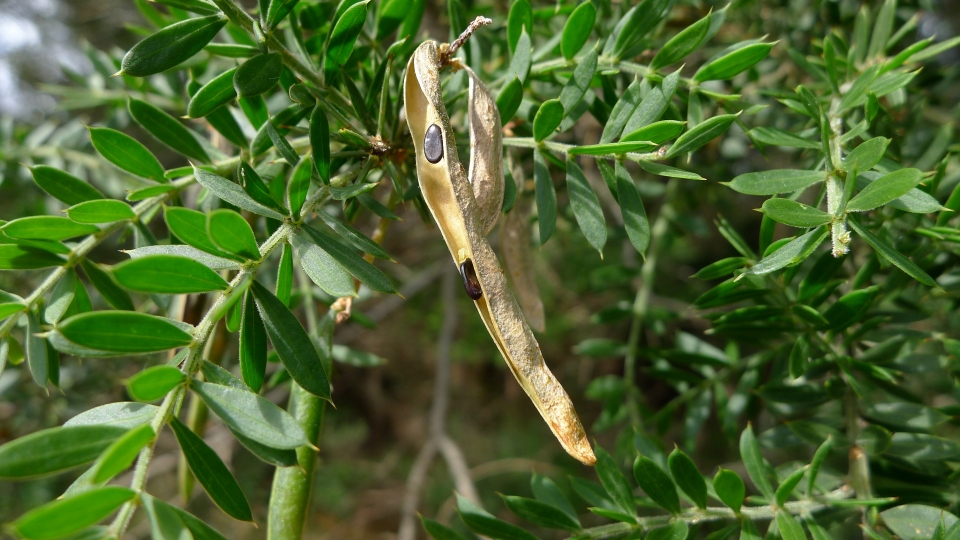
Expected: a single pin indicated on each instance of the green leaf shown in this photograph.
(688, 477)
(892, 255)
(354, 237)
(165, 523)
(254, 186)
(546, 197)
(789, 527)
(548, 118)
(167, 274)
(277, 10)
(53, 450)
(233, 194)
(729, 488)
(281, 144)
(252, 416)
(866, 156)
(656, 483)
(701, 134)
(212, 474)
(775, 181)
(789, 254)
(320, 141)
(121, 453)
(151, 191)
(684, 43)
(122, 414)
(167, 129)
(508, 101)
(614, 482)
(253, 345)
(754, 462)
(850, 308)
(631, 30)
(64, 186)
(622, 112)
(540, 513)
(440, 532)
(14, 257)
(154, 383)
(778, 137)
(107, 286)
(519, 20)
(903, 416)
(785, 489)
(652, 107)
(292, 343)
(344, 36)
(73, 514)
(123, 332)
(885, 189)
(859, 88)
(321, 267)
(916, 521)
(818, 458)
(482, 522)
(348, 259)
(674, 531)
(171, 45)
(285, 275)
(102, 211)
(732, 64)
(611, 148)
(299, 185)
(721, 268)
(231, 233)
(577, 29)
(190, 226)
(211, 96)
(36, 351)
(634, 215)
(586, 206)
(522, 57)
(657, 132)
(60, 300)
(126, 153)
(579, 83)
(47, 228)
(257, 75)
(185, 251)
(795, 214)
(546, 491)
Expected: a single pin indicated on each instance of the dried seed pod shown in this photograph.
(486, 152)
(515, 247)
(451, 200)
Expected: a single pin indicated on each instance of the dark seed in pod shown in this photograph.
(433, 144)
(470, 282)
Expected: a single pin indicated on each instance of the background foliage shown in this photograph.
(800, 383)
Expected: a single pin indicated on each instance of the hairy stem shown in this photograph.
(694, 516)
(292, 486)
(201, 333)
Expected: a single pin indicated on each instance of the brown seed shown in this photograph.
(433, 144)
(470, 282)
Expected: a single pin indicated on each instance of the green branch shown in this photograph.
(696, 516)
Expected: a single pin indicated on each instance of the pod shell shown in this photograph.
(451, 200)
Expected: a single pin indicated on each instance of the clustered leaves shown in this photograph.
(283, 125)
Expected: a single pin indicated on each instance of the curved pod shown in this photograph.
(450, 197)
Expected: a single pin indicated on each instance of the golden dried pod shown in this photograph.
(462, 221)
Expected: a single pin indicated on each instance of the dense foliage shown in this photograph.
(251, 163)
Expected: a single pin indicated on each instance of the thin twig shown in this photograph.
(447, 52)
